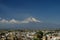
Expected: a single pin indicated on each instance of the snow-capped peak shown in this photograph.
(31, 19)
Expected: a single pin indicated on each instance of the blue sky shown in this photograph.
(44, 10)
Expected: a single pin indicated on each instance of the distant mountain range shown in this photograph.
(28, 23)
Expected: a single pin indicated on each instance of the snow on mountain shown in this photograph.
(27, 20)
(30, 19)
(28, 23)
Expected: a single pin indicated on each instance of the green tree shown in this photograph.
(35, 39)
(40, 35)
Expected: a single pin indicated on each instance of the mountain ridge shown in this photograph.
(28, 23)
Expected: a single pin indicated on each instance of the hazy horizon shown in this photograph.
(41, 13)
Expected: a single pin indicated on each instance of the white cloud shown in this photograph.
(8, 21)
(4, 21)
(28, 20)
(13, 21)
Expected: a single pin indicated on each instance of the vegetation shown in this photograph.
(35, 39)
(40, 35)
